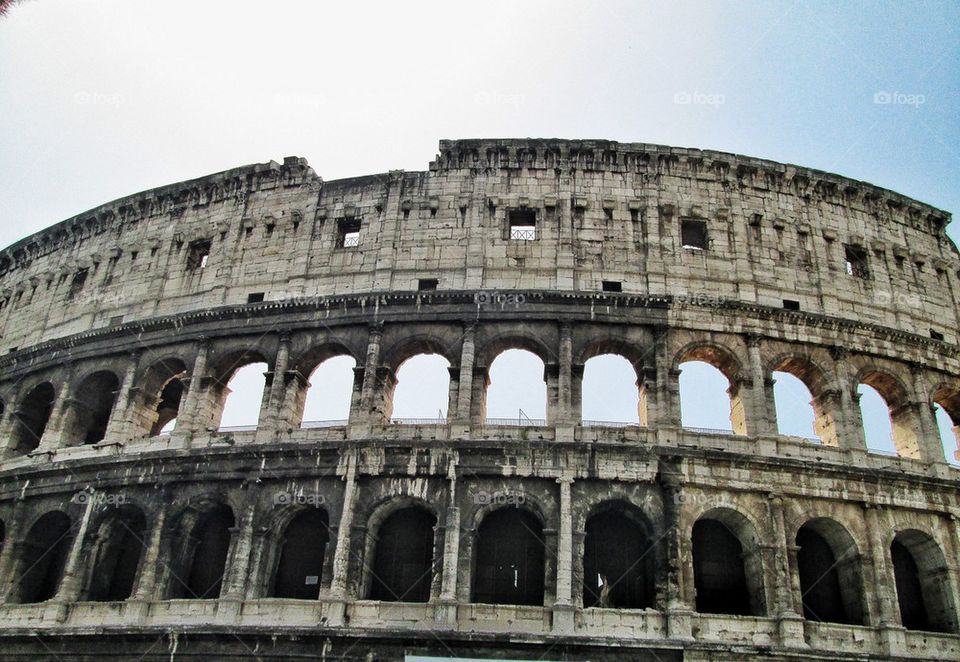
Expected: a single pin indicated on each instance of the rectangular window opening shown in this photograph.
(424, 284)
(255, 297)
(523, 224)
(348, 233)
(936, 335)
(612, 286)
(77, 283)
(790, 304)
(856, 261)
(693, 233)
(198, 255)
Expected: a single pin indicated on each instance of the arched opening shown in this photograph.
(120, 545)
(243, 397)
(331, 388)
(923, 583)
(727, 570)
(510, 559)
(946, 404)
(796, 416)
(705, 402)
(618, 560)
(204, 556)
(517, 390)
(156, 405)
(609, 391)
(422, 391)
(831, 580)
(168, 408)
(300, 568)
(31, 417)
(44, 557)
(889, 425)
(90, 409)
(403, 562)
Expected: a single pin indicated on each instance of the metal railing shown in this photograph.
(331, 423)
(237, 428)
(608, 424)
(523, 233)
(517, 422)
(709, 430)
(419, 421)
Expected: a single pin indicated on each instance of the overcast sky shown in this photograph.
(101, 99)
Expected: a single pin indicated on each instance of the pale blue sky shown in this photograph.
(103, 98)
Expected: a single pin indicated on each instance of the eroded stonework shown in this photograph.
(371, 539)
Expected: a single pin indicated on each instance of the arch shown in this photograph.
(946, 402)
(708, 400)
(329, 390)
(120, 547)
(619, 565)
(417, 344)
(831, 576)
(421, 389)
(895, 396)
(31, 416)
(727, 567)
(44, 557)
(241, 397)
(713, 354)
(795, 407)
(204, 545)
(403, 560)
(493, 347)
(90, 409)
(302, 552)
(162, 392)
(610, 390)
(510, 558)
(922, 578)
(516, 382)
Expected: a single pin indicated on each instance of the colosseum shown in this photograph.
(135, 525)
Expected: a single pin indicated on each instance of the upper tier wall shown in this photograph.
(604, 212)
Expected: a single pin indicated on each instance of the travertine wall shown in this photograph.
(148, 316)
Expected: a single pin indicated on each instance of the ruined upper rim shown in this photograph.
(654, 156)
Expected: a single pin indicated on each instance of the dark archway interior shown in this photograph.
(92, 406)
(32, 416)
(510, 559)
(820, 579)
(719, 574)
(913, 611)
(618, 564)
(403, 563)
(44, 557)
(300, 568)
(169, 406)
(115, 569)
(211, 538)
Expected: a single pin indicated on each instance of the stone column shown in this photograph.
(667, 384)
(236, 572)
(678, 608)
(368, 411)
(762, 412)
(563, 609)
(9, 555)
(446, 610)
(931, 448)
(887, 617)
(270, 422)
(341, 558)
(53, 435)
(465, 389)
(73, 570)
(565, 406)
(146, 588)
(119, 429)
(850, 429)
(195, 390)
(789, 621)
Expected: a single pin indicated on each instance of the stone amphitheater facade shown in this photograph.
(122, 541)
